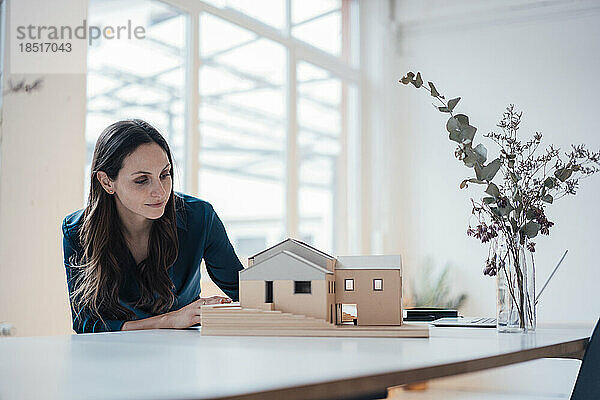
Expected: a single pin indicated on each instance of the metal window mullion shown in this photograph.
(304, 50)
(193, 101)
(288, 18)
(326, 61)
(340, 207)
(340, 228)
(292, 159)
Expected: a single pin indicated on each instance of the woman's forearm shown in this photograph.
(156, 322)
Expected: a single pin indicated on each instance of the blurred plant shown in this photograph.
(434, 290)
(512, 208)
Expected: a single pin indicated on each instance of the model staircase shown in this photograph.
(233, 320)
(234, 316)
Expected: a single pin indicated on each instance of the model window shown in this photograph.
(349, 284)
(301, 287)
(378, 284)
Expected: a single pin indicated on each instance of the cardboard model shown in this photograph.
(294, 277)
(293, 289)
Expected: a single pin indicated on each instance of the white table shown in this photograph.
(182, 364)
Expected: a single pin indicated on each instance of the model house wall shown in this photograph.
(374, 284)
(290, 283)
(374, 307)
(330, 296)
(284, 299)
(312, 305)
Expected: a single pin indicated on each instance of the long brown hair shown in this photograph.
(100, 269)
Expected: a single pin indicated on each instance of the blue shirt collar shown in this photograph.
(180, 214)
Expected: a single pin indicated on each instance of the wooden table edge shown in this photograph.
(378, 383)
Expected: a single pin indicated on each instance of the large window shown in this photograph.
(243, 132)
(138, 78)
(268, 12)
(318, 22)
(319, 136)
(259, 103)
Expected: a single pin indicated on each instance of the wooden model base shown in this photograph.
(233, 320)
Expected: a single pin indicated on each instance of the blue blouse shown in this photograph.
(201, 235)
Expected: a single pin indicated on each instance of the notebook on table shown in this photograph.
(476, 322)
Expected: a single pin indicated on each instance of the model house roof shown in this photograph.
(369, 262)
(299, 248)
(284, 265)
(297, 242)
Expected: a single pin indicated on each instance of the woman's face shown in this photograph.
(144, 180)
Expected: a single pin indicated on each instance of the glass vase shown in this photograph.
(516, 309)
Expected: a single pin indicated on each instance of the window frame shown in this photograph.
(351, 281)
(345, 67)
(300, 289)
(375, 287)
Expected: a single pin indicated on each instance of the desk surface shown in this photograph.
(182, 364)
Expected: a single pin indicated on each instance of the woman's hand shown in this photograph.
(192, 313)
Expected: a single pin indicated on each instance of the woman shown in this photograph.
(132, 256)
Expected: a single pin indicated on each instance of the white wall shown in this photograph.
(542, 56)
(41, 180)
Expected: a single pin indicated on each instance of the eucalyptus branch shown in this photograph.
(519, 185)
(529, 182)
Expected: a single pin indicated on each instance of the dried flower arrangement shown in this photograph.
(513, 207)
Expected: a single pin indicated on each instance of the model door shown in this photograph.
(268, 291)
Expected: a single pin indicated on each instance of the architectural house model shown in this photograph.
(294, 289)
(297, 278)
